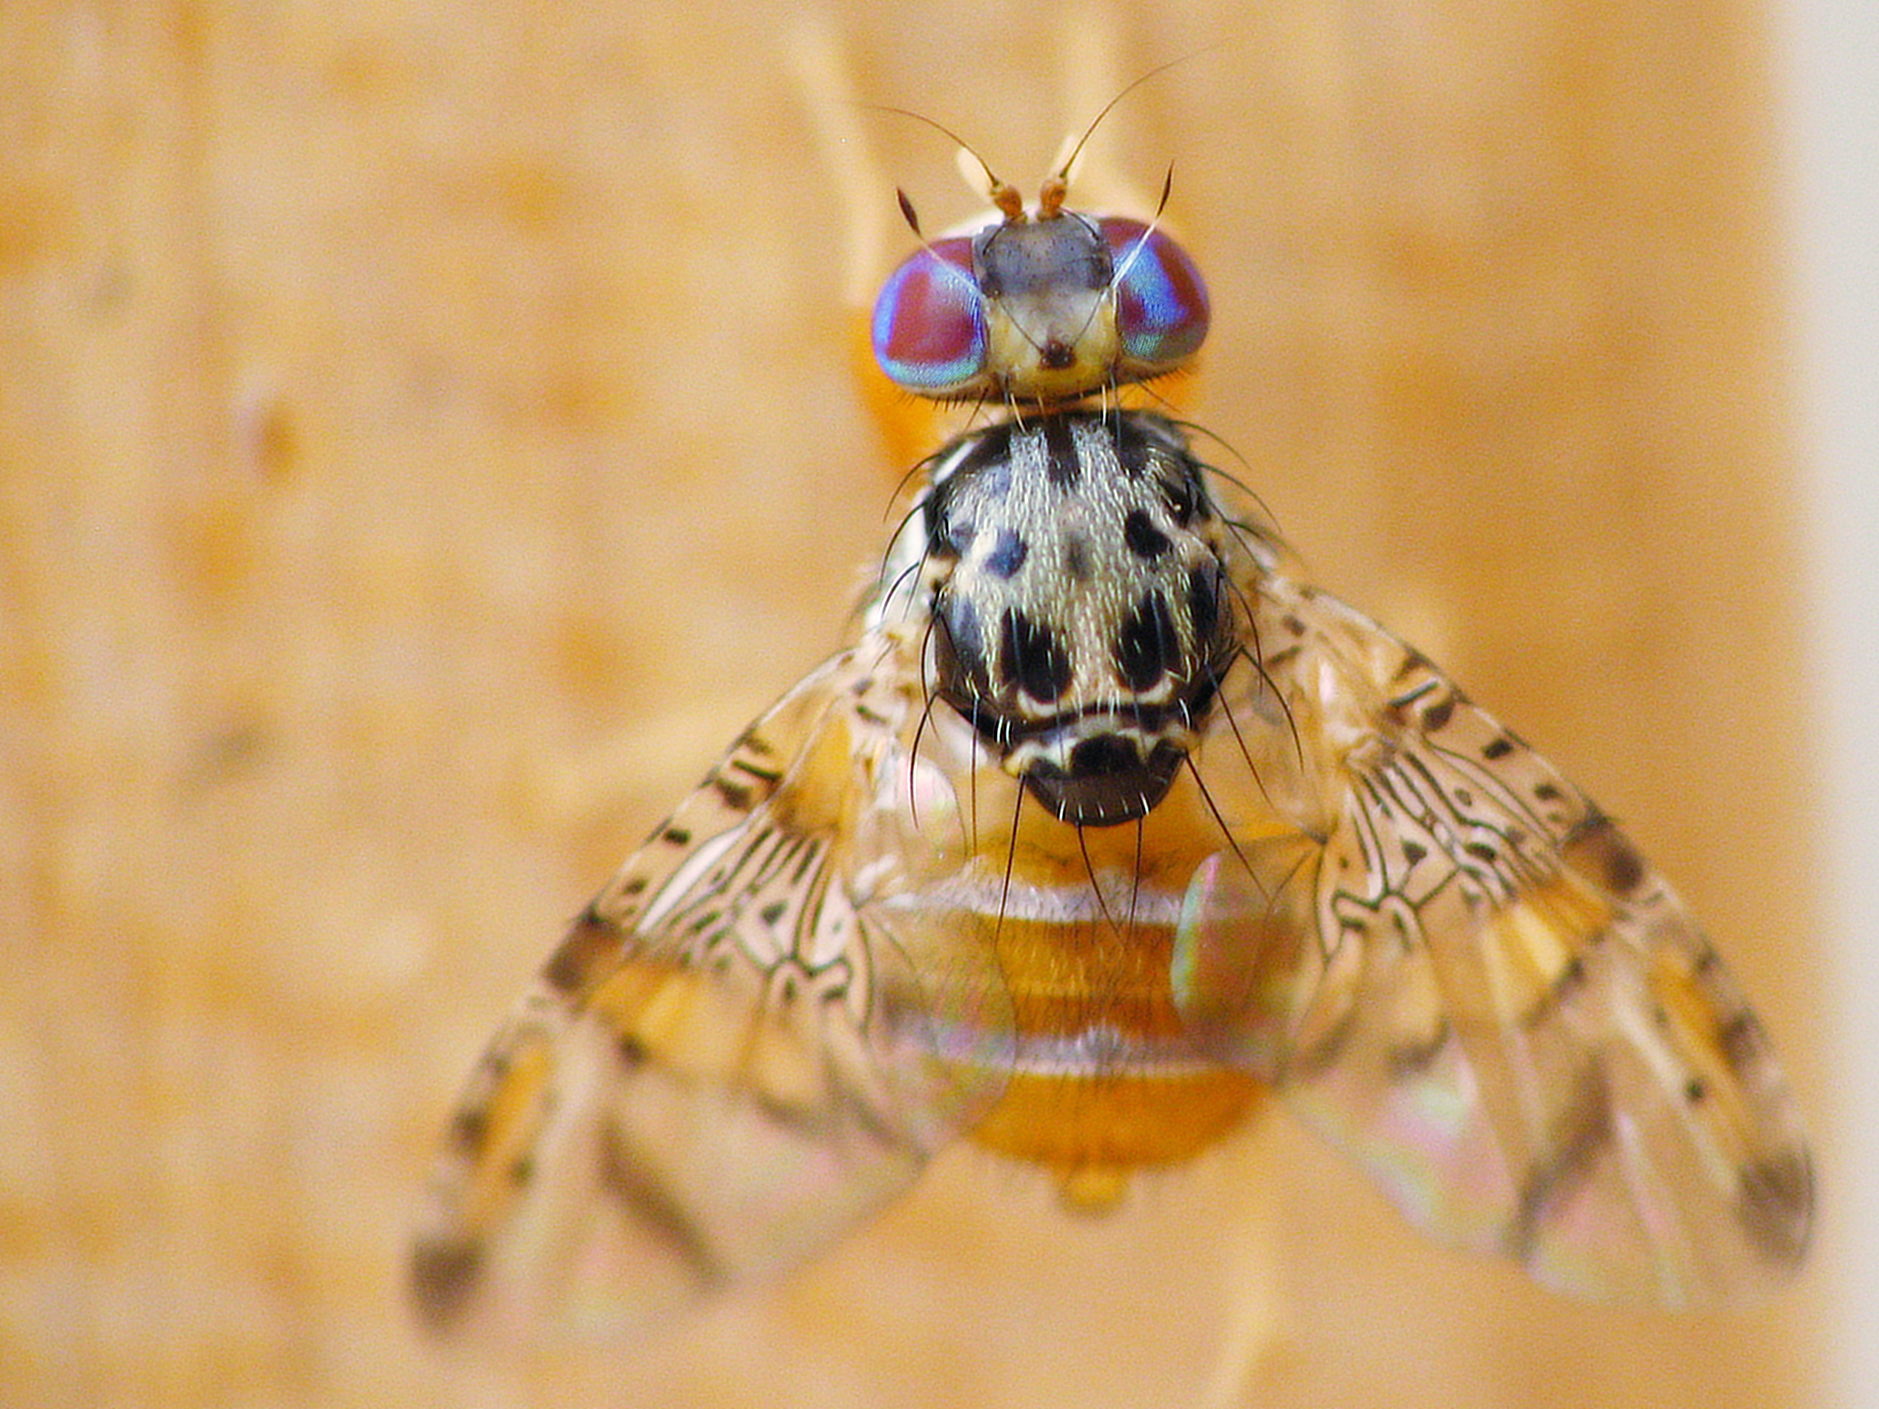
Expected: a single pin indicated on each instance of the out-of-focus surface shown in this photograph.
(1831, 72)
(427, 436)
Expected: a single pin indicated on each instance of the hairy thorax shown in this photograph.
(1081, 608)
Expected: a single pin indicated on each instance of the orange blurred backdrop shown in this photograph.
(427, 435)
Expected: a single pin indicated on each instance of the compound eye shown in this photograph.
(1161, 304)
(929, 322)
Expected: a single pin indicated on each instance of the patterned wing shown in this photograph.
(1463, 975)
(724, 1065)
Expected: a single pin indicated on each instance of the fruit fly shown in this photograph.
(1108, 827)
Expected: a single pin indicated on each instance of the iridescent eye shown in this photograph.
(929, 322)
(1161, 303)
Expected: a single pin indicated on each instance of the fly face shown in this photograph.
(1074, 571)
(1046, 306)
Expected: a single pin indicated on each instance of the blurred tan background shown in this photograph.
(427, 436)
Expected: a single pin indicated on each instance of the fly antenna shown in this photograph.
(1061, 181)
(1004, 196)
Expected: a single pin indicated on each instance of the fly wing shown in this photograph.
(1462, 974)
(726, 1063)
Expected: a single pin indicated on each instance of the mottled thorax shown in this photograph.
(1074, 567)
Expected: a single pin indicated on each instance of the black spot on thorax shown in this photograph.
(1144, 539)
(1148, 646)
(1203, 600)
(1030, 656)
(1063, 466)
(1182, 495)
(1008, 555)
